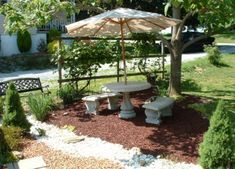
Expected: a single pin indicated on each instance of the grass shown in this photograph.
(227, 37)
(201, 78)
(211, 81)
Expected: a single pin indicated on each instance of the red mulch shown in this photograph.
(177, 136)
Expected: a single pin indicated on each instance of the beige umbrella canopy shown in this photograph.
(120, 22)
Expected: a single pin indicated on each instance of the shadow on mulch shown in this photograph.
(177, 137)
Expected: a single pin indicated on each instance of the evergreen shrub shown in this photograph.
(24, 41)
(14, 113)
(217, 149)
(40, 105)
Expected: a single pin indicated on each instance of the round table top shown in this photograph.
(131, 86)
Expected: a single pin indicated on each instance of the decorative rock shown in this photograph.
(142, 162)
(74, 139)
(65, 113)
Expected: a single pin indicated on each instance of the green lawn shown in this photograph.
(204, 79)
(228, 37)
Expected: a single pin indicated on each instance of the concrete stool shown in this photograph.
(161, 107)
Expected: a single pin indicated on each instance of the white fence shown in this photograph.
(8, 44)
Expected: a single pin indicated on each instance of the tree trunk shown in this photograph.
(175, 75)
(176, 57)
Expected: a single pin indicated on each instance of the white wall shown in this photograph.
(9, 44)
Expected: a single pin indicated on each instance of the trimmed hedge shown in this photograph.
(24, 41)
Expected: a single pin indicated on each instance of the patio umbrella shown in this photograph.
(120, 22)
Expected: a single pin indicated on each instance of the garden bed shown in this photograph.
(176, 138)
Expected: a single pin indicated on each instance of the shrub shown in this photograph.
(24, 41)
(214, 54)
(14, 113)
(217, 148)
(67, 93)
(53, 34)
(40, 105)
(53, 46)
(42, 46)
(5, 152)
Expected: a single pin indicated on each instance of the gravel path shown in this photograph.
(57, 159)
(95, 147)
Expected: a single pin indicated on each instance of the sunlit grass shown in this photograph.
(212, 81)
(228, 37)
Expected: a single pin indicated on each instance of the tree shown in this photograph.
(14, 113)
(211, 15)
(217, 149)
(25, 14)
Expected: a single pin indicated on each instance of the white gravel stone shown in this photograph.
(95, 147)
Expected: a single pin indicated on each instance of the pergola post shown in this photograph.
(163, 60)
(60, 66)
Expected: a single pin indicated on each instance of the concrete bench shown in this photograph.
(161, 107)
(92, 102)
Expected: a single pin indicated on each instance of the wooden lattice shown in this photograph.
(22, 85)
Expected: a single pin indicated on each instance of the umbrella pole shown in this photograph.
(123, 51)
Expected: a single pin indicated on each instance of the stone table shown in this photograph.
(127, 109)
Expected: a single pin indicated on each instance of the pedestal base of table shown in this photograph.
(127, 109)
